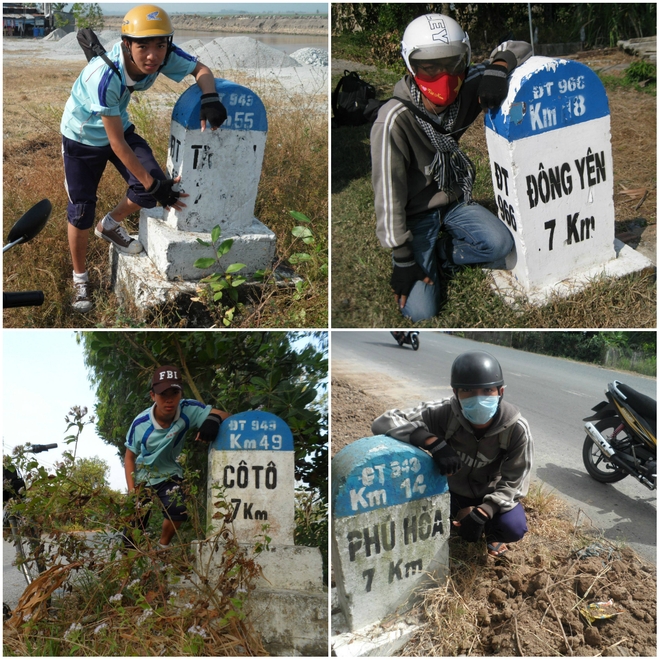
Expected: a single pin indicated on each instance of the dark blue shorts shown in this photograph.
(83, 167)
(504, 527)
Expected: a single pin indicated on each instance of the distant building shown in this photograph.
(27, 20)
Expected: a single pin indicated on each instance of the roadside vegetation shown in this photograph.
(100, 599)
(622, 351)
(361, 296)
(294, 179)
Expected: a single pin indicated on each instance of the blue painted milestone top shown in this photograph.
(254, 430)
(379, 471)
(245, 110)
(547, 94)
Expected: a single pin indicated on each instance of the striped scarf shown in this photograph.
(450, 164)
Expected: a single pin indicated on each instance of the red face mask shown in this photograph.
(443, 89)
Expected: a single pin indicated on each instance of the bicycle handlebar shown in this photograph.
(22, 299)
(36, 449)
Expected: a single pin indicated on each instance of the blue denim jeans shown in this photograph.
(477, 235)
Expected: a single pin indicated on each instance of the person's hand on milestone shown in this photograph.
(212, 111)
(494, 86)
(162, 191)
(445, 457)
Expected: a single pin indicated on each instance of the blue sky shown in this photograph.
(216, 7)
(44, 375)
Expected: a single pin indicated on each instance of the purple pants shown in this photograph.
(84, 166)
(503, 527)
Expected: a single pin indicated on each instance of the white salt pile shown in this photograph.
(238, 53)
(69, 43)
(311, 56)
(55, 35)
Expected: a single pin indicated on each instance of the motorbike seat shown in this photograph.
(643, 404)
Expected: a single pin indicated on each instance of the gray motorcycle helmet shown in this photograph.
(476, 369)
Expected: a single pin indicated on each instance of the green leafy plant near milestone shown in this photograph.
(223, 285)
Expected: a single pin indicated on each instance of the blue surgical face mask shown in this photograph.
(479, 409)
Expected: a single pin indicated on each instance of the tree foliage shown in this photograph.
(594, 24)
(88, 15)
(278, 372)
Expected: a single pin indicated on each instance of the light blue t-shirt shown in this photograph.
(99, 91)
(157, 448)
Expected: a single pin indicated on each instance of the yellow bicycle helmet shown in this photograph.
(146, 21)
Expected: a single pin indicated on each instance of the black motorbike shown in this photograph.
(25, 229)
(621, 437)
(409, 338)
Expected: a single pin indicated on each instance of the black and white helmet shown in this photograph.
(436, 37)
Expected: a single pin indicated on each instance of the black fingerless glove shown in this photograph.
(208, 431)
(472, 525)
(445, 457)
(493, 87)
(212, 110)
(163, 193)
(405, 272)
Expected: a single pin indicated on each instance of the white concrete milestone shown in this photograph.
(252, 462)
(220, 172)
(390, 509)
(551, 163)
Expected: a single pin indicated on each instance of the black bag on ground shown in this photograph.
(350, 99)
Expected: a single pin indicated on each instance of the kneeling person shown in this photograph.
(481, 443)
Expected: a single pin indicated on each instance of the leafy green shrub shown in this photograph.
(640, 71)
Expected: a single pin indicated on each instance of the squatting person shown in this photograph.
(155, 440)
(96, 129)
(481, 443)
(422, 180)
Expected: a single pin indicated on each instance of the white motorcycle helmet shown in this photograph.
(436, 37)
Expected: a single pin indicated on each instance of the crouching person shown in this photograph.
(481, 443)
(153, 444)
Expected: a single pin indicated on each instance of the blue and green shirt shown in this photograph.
(99, 92)
(157, 448)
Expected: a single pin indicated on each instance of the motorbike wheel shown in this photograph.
(414, 342)
(598, 465)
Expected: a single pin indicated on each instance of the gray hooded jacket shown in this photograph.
(496, 475)
(401, 153)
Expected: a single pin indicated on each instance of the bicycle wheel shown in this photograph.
(26, 546)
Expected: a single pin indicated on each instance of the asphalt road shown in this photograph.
(553, 394)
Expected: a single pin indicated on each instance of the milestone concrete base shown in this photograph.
(375, 640)
(627, 261)
(136, 279)
(289, 605)
(174, 252)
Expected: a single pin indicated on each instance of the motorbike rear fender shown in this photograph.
(602, 410)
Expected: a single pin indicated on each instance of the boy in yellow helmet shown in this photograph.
(96, 130)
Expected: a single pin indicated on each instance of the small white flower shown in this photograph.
(116, 598)
(99, 628)
(197, 630)
(27, 617)
(188, 606)
(135, 583)
(73, 628)
(144, 616)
